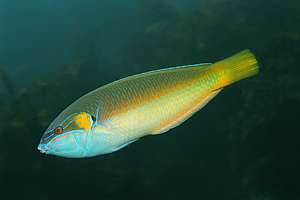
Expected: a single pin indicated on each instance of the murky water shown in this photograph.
(242, 145)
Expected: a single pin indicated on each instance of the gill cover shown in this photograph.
(80, 126)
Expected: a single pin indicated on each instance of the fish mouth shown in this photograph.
(43, 148)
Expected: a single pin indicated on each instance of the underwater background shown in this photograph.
(244, 145)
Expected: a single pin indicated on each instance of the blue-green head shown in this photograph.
(68, 136)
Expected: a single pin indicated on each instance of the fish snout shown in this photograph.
(43, 148)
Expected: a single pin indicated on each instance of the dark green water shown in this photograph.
(244, 145)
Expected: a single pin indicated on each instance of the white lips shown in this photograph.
(42, 148)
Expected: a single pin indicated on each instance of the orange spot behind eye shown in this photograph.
(84, 121)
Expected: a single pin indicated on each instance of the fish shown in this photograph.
(115, 115)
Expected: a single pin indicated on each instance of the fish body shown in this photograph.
(117, 114)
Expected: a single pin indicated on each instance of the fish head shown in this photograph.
(68, 136)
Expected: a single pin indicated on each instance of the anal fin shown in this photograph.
(181, 118)
(123, 145)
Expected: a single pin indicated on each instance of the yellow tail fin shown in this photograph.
(235, 68)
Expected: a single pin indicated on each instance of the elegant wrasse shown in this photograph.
(117, 114)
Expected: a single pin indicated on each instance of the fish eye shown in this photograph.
(58, 130)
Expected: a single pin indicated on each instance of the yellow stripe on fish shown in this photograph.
(169, 96)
